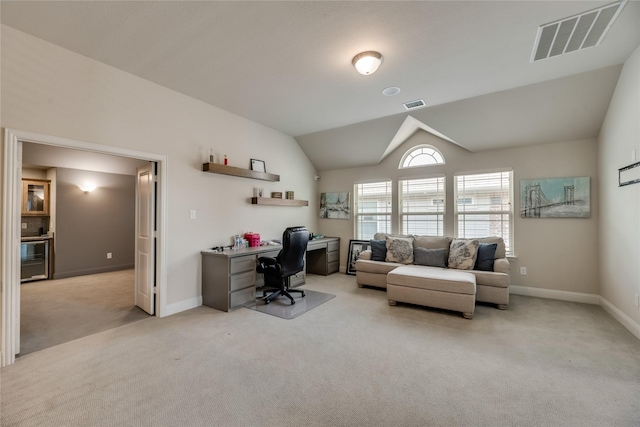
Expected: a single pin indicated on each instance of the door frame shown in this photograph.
(11, 195)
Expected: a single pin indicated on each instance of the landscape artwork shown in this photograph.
(555, 198)
(335, 205)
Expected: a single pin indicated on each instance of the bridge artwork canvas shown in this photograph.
(555, 198)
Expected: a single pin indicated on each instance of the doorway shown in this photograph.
(12, 173)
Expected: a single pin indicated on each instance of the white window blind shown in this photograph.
(422, 206)
(372, 209)
(484, 206)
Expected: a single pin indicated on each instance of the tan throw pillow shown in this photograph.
(462, 254)
(400, 250)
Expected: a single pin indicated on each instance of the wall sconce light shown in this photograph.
(367, 62)
(87, 187)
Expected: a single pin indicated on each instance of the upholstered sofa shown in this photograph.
(492, 282)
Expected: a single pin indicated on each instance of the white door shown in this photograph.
(145, 242)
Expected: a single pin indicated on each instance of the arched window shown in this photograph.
(422, 155)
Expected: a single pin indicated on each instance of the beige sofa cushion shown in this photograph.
(377, 267)
(433, 278)
(500, 249)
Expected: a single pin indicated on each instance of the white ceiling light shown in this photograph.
(367, 62)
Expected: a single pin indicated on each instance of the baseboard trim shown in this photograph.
(185, 305)
(555, 294)
(617, 314)
(67, 274)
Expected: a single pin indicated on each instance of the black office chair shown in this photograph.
(289, 261)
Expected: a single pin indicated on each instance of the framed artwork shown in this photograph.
(555, 198)
(355, 249)
(335, 205)
(258, 165)
(629, 175)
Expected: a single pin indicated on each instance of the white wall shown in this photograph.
(50, 90)
(560, 254)
(620, 206)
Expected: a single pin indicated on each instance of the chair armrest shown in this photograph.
(501, 265)
(266, 260)
(365, 254)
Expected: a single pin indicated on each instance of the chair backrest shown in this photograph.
(294, 245)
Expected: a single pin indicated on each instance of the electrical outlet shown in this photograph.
(192, 214)
(637, 300)
(523, 271)
(109, 255)
(24, 225)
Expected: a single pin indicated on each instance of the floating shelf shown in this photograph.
(243, 173)
(278, 202)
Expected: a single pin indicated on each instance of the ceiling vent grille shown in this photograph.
(412, 105)
(575, 32)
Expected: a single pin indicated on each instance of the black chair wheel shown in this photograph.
(293, 302)
(303, 294)
(267, 301)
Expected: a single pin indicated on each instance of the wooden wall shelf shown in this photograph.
(243, 173)
(278, 202)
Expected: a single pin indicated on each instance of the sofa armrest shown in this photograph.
(365, 254)
(501, 265)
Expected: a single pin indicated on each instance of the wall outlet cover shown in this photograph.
(523, 271)
(109, 255)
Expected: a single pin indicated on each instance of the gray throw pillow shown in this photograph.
(378, 250)
(486, 255)
(430, 257)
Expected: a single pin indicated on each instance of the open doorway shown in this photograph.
(11, 224)
(88, 229)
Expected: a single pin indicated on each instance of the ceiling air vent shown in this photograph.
(412, 105)
(575, 32)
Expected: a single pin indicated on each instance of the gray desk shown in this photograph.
(229, 278)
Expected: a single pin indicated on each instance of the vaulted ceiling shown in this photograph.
(287, 65)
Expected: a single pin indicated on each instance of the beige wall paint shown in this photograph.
(559, 254)
(56, 92)
(620, 206)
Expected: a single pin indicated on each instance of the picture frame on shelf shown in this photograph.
(356, 247)
(258, 165)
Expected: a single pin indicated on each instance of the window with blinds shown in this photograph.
(372, 205)
(484, 206)
(422, 206)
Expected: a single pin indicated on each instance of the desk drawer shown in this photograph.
(333, 246)
(333, 267)
(297, 280)
(243, 263)
(242, 297)
(242, 280)
(315, 246)
(333, 256)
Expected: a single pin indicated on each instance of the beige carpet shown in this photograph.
(57, 311)
(353, 361)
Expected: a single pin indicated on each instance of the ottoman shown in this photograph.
(433, 287)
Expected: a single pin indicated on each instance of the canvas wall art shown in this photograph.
(555, 198)
(335, 205)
